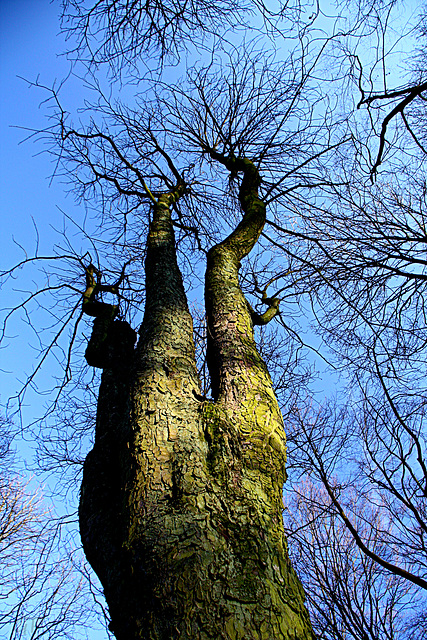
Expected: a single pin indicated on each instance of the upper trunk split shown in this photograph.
(181, 500)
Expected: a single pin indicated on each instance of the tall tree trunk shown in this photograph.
(181, 501)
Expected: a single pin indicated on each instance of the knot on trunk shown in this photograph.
(112, 341)
(111, 344)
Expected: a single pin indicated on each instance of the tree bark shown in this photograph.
(181, 500)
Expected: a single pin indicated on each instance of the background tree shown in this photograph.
(364, 260)
(43, 593)
(349, 594)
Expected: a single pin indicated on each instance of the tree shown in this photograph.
(349, 541)
(364, 258)
(42, 594)
(349, 594)
(181, 500)
(180, 511)
(121, 34)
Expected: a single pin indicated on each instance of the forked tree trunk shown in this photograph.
(181, 500)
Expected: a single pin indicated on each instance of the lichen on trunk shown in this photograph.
(181, 499)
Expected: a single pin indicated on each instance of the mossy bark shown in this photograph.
(181, 498)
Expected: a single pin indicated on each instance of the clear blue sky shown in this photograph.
(30, 48)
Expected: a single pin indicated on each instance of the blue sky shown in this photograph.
(30, 48)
